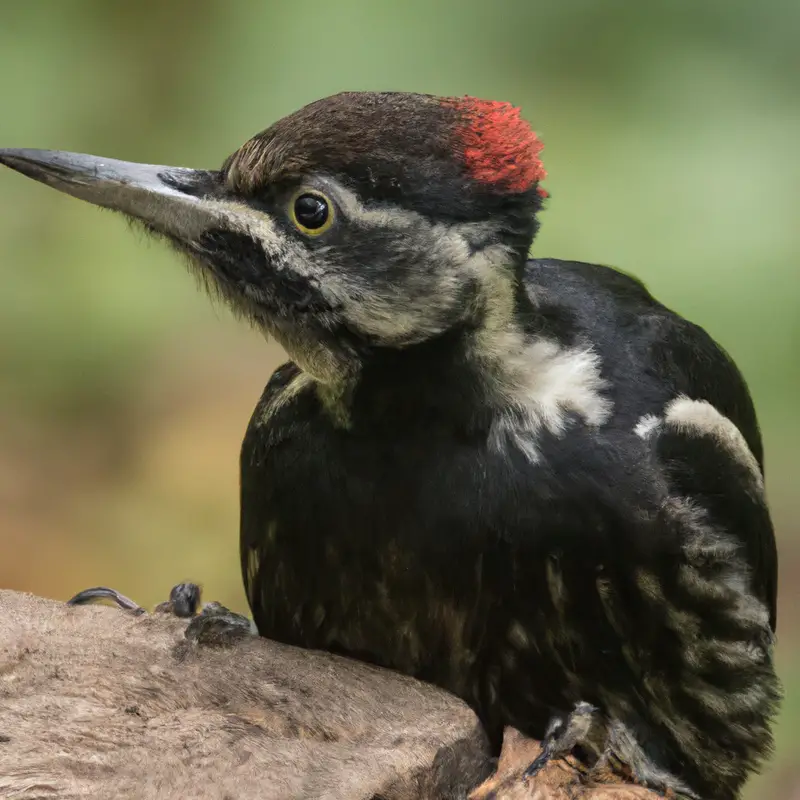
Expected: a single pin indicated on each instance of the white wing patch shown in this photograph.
(566, 380)
(647, 426)
(700, 418)
(551, 382)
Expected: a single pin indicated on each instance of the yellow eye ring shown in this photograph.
(311, 212)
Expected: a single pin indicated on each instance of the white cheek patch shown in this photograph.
(425, 300)
(397, 315)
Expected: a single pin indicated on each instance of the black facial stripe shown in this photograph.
(240, 261)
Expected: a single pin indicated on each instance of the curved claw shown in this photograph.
(104, 593)
(538, 763)
(563, 735)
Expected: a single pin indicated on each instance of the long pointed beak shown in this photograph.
(171, 200)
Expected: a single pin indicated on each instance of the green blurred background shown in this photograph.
(671, 133)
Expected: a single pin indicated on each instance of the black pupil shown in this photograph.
(311, 211)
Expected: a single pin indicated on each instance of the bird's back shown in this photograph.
(649, 353)
(651, 356)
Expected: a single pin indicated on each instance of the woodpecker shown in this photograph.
(524, 480)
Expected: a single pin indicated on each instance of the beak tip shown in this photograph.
(31, 163)
(141, 191)
(19, 157)
(14, 159)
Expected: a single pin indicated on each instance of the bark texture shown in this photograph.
(98, 703)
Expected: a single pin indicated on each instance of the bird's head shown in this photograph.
(362, 221)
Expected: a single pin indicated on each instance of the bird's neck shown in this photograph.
(462, 378)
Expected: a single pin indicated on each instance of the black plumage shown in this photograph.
(526, 481)
(413, 546)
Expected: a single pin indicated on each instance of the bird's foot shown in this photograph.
(219, 626)
(611, 769)
(623, 759)
(214, 625)
(564, 733)
(606, 752)
(184, 600)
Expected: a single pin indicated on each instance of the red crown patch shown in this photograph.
(500, 148)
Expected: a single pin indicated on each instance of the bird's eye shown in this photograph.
(312, 213)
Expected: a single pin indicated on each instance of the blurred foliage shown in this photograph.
(671, 132)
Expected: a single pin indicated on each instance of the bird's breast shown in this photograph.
(364, 592)
(433, 555)
(365, 551)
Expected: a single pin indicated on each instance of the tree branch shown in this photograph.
(99, 703)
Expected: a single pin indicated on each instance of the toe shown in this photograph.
(218, 626)
(184, 600)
